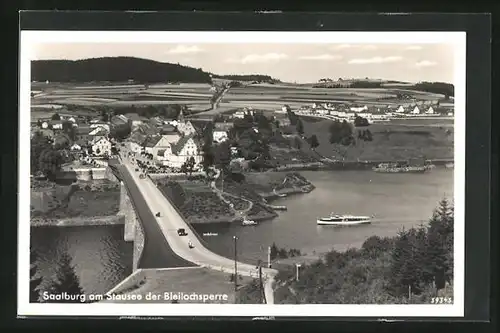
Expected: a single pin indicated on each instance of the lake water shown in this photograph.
(102, 259)
(99, 254)
(395, 201)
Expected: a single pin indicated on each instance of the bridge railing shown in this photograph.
(195, 233)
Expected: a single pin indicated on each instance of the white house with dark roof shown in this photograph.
(415, 110)
(400, 109)
(183, 150)
(56, 124)
(185, 128)
(220, 136)
(101, 147)
(100, 125)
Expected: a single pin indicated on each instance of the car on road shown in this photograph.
(158, 214)
(136, 169)
(181, 232)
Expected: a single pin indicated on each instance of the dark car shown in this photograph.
(182, 232)
(158, 214)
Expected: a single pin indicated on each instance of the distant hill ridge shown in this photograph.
(115, 69)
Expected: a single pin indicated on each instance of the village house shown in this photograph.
(184, 149)
(102, 130)
(97, 133)
(135, 142)
(75, 147)
(400, 109)
(223, 126)
(156, 122)
(146, 129)
(167, 129)
(100, 125)
(430, 110)
(56, 124)
(415, 110)
(186, 128)
(239, 114)
(101, 147)
(134, 119)
(219, 136)
(118, 120)
(359, 108)
(153, 144)
(322, 112)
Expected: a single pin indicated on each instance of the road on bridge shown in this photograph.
(157, 253)
(171, 220)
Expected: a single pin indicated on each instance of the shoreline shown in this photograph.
(327, 164)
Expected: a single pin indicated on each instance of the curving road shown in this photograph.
(170, 220)
(156, 253)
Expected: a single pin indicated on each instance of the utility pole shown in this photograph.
(297, 267)
(235, 265)
(269, 257)
(261, 285)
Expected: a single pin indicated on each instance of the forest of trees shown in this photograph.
(247, 77)
(45, 158)
(341, 133)
(447, 89)
(66, 281)
(353, 84)
(412, 267)
(115, 69)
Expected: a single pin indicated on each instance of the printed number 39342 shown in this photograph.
(441, 300)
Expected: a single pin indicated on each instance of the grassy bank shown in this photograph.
(200, 204)
(390, 142)
(84, 199)
(412, 267)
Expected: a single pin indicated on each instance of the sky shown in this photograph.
(301, 63)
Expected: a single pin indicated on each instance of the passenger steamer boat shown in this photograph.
(335, 219)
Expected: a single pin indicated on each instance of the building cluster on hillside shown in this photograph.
(170, 143)
(348, 112)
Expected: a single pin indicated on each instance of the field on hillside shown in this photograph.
(197, 96)
(57, 94)
(273, 96)
(390, 142)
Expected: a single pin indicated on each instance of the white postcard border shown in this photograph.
(31, 38)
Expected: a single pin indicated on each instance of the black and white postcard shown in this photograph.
(246, 173)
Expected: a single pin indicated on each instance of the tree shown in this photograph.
(313, 141)
(440, 244)
(188, 166)
(341, 133)
(120, 132)
(222, 155)
(35, 280)
(104, 116)
(368, 135)
(69, 130)
(50, 161)
(300, 127)
(56, 116)
(67, 281)
(361, 122)
(297, 142)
